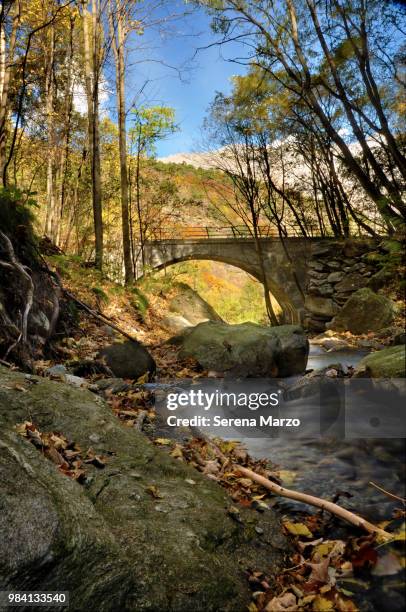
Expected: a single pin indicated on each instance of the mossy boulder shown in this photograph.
(109, 541)
(129, 359)
(246, 349)
(364, 311)
(387, 363)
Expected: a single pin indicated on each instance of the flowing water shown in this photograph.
(326, 466)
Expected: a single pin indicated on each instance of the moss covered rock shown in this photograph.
(387, 363)
(109, 541)
(363, 312)
(128, 359)
(246, 349)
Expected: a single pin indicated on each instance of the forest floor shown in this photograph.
(332, 568)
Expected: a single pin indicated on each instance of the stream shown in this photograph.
(326, 466)
(331, 467)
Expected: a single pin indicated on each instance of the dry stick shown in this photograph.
(346, 515)
(98, 315)
(391, 495)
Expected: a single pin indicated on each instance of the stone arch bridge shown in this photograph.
(309, 277)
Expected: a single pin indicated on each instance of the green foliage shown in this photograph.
(101, 296)
(16, 220)
(139, 300)
(15, 210)
(151, 124)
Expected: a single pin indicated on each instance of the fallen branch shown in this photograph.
(342, 513)
(391, 495)
(98, 315)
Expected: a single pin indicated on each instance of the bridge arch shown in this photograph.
(240, 254)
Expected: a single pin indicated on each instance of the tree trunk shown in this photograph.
(118, 40)
(6, 62)
(92, 76)
(49, 106)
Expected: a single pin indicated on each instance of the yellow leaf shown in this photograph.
(154, 491)
(321, 604)
(287, 476)
(143, 379)
(322, 549)
(163, 441)
(299, 529)
(245, 482)
(176, 452)
(401, 534)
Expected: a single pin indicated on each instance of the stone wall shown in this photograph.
(335, 270)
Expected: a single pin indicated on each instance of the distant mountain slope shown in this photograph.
(197, 160)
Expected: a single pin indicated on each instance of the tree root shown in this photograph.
(21, 335)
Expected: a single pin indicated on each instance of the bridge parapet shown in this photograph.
(232, 232)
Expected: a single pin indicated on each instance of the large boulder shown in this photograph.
(146, 532)
(186, 309)
(363, 312)
(246, 349)
(185, 302)
(387, 363)
(129, 359)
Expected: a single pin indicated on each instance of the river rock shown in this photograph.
(110, 542)
(246, 349)
(387, 363)
(364, 311)
(332, 343)
(128, 359)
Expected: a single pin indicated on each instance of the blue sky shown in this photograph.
(190, 97)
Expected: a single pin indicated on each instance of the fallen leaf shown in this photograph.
(177, 452)
(163, 441)
(283, 603)
(154, 491)
(387, 565)
(319, 571)
(299, 529)
(321, 604)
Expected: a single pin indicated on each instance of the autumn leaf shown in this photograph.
(388, 565)
(283, 603)
(177, 452)
(154, 491)
(299, 529)
(321, 604)
(163, 441)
